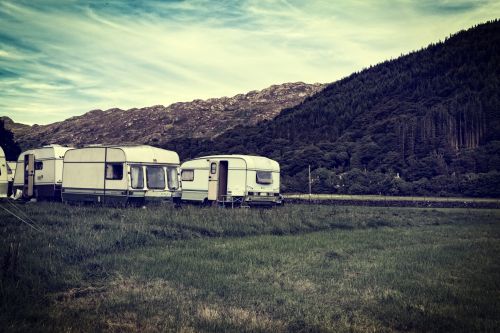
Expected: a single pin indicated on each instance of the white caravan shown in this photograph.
(120, 175)
(39, 172)
(231, 179)
(11, 171)
(4, 178)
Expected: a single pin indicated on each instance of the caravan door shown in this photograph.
(222, 187)
(213, 180)
(29, 175)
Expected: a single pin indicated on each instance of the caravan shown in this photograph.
(231, 180)
(4, 178)
(120, 175)
(39, 172)
(11, 171)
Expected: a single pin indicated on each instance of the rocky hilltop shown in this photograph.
(18, 128)
(159, 124)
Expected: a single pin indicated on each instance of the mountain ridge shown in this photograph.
(158, 124)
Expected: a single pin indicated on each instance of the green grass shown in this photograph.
(296, 268)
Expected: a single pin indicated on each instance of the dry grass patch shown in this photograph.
(122, 322)
(132, 305)
(246, 319)
(129, 305)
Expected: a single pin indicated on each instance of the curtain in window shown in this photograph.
(155, 177)
(136, 177)
(264, 177)
(173, 180)
(187, 175)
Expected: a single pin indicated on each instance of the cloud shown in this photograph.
(449, 7)
(59, 60)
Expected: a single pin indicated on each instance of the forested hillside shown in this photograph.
(427, 123)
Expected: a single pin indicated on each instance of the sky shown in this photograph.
(60, 59)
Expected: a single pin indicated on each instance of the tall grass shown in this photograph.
(300, 267)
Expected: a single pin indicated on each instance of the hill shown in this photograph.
(425, 123)
(158, 124)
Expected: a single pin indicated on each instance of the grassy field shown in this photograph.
(294, 268)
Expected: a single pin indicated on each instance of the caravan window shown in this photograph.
(38, 165)
(173, 178)
(136, 176)
(264, 177)
(114, 171)
(155, 176)
(213, 168)
(187, 175)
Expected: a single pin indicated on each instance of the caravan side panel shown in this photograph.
(263, 194)
(45, 171)
(45, 180)
(197, 188)
(116, 187)
(4, 180)
(19, 174)
(236, 178)
(83, 175)
(115, 155)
